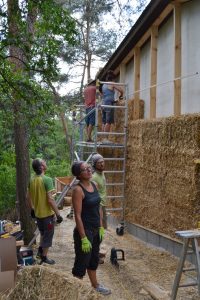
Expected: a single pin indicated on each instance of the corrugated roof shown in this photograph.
(144, 22)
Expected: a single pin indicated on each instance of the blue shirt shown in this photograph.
(108, 95)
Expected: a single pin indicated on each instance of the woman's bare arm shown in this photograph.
(77, 198)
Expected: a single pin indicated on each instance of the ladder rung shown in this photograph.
(110, 133)
(114, 209)
(111, 83)
(113, 106)
(189, 269)
(113, 197)
(188, 284)
(114, 158)
(109, 145)
(114, 184)
(113, 171)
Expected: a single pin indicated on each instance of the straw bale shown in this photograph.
(39, 282)
(163, 182)
(67, 201)
(131, 109)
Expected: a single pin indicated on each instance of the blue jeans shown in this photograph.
(108, 115)
(90, 120)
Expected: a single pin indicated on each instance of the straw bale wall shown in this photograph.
(162, 179)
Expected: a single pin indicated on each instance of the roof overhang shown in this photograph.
(151, 13)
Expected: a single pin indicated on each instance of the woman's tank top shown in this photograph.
(90, 208)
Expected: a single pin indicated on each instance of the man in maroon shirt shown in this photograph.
(89, 101)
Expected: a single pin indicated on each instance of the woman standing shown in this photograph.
(88, 232)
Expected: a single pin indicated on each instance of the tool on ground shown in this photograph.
(120, 229)
(113, 256)
(26, 255)
(70, 215)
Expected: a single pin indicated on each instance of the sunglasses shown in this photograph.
(88, 169)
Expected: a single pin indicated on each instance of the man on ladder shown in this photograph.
(108, 98)
(89, 94)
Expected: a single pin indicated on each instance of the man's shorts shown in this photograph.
(108, 115)
(46, 228)
(90, 119)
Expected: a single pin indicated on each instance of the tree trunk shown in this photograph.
(22, 177)
(87, 39)
(20, 132)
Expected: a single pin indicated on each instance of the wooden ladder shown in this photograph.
(190, 238)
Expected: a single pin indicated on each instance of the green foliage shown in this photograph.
(24, 90)
(52, 146)
(7, 168)
(7, 180)
(95, 43)
(46, 143)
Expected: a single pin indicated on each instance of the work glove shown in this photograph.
(33, 213)
(59, 219)
(101, 233)
(85, 245)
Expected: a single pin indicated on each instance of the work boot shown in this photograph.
(70, 215)
(46, 260)
(101, 261)
(102, 255)
(39, 253)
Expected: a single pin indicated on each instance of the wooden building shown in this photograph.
(159, 60)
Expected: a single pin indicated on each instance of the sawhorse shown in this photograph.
(189, 236)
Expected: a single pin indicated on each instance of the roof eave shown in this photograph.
(144, 22)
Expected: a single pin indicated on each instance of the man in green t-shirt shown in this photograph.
(98, 176)
(43, 207)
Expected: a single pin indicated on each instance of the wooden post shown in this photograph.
(177, 59)
(122, 73)
(153, 55)
(136, 110)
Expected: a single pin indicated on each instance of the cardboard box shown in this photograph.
(7, 280)
(8, 263)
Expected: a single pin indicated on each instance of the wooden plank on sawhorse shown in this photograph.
(189, 236)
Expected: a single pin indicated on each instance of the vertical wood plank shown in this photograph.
(122, 73)
(136, 110)
(153, 71)
(177, 58)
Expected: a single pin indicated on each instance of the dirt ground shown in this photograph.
(143, 265)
